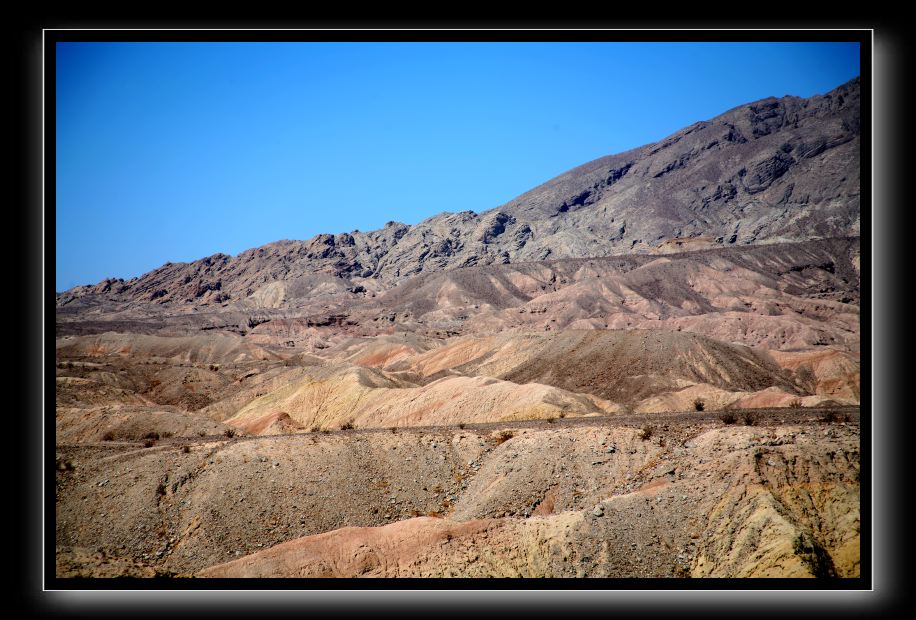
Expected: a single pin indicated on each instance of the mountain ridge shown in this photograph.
(772, 170)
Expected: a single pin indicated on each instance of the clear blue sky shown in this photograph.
(175, 151)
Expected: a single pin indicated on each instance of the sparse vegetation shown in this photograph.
(461, 425)
(185, 449)
(148, 443)
(562, 414)
(750, 418)
(646, 432)
(315, 429)
(699, 405)
(347, 426)
(393, 429)
(551, 420)
(795, 403)
(151, 435)
(832, 416)
(728, 417)
(108, 436)
(229, 432)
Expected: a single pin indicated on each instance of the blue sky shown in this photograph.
(175, 151)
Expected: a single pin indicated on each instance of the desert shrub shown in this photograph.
(201, 433)
(160, 489)
(462, 425)
(646, 432)
(551, 420)
(795, 403)
(699, 405)
(347, 426)
(148, 443)
(728, 417)
(166, 434)
(830, 416)
(214, 367)
(108, 436)
(229, 432)
(504, 436)
(151, 435)
(393, 429)
(562, 414)
(185, 449)
(749, 417)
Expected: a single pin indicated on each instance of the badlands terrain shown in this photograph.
(646, 367)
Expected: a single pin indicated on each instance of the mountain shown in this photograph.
(774, 170)
(646, 367)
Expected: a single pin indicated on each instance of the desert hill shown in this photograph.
(779, 296)
(576, 498)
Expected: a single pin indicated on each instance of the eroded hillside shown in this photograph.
(689, 496)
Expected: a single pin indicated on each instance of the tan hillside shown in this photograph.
(332, 396)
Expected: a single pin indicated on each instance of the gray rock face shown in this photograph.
(770, 171)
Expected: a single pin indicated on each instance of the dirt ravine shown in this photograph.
(587, 497)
